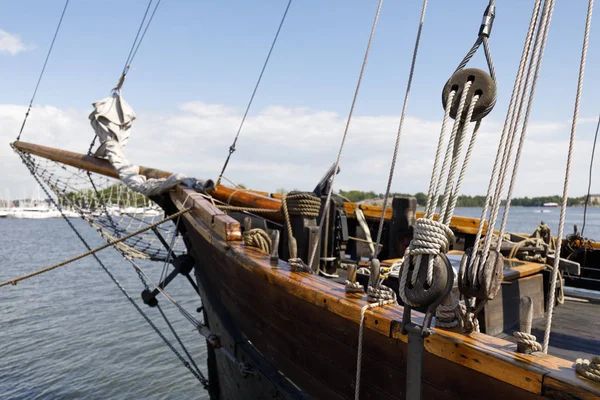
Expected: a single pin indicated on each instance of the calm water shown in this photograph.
(70, 333)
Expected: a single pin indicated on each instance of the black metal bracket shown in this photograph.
(183, 265)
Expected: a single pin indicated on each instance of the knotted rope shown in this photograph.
(258, 238)
(447, 314)
(528, 340)
(588, 369)
(353, 287)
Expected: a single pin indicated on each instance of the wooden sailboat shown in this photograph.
(299, 331)
(281, 278)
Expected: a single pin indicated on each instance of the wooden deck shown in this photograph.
(575, 329)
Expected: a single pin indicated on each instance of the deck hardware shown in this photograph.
(183, 265)
(481, 84)
(470, 283)
(274, 257)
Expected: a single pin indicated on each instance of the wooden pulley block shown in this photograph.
(482, 84)
(488, 284)
(421, 292)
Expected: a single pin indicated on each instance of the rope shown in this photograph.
(513, 119)
(113, 278)
(587, 198)
(185, 350)
(484, 32)
(543, 32)
(588, 369)
(563, 209)
(258, 238)
(344, 136)
(247, 209)
(93, 251)
(376, 249)
(360, 342)
(447, 314)
(43, 69)
(527, 340)
(232, 147)
(431, 238)
(353, 287)
(433, 192)
(136, 45)
(303, 204)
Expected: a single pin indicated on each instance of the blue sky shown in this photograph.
(211, 52)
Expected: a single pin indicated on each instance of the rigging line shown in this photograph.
(339, 156)
(129, 58)
(524, 103)
(400, 126)
(543, 30)
(185, 350)
(563, 209)
(587, 199)
(30, 165)
(170, 252)
(43, 68)
(143, 34)
(232, 147)
(94, 251)
(145, 278)
(514, 100)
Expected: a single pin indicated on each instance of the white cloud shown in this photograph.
(12, 44)
(292, 147)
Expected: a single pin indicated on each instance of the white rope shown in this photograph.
(400, 126)
(339, 156)
(353, 287)
(528, 340)
(360, 342)
(431, 238)
(463, 170)
(513, 120)
(432, 197)
(561, 221)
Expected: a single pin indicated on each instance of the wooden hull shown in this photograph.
(307, 328)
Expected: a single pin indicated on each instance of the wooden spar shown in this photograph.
(235, 197)
(88, 163)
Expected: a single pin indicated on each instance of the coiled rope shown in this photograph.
(528, 340)
(258, 238)
(303, 204)
(588, 369)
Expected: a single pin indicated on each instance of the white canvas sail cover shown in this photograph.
(112, 119)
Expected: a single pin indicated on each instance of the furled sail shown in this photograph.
(112, 119)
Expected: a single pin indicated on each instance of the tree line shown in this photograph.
(469, 201)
